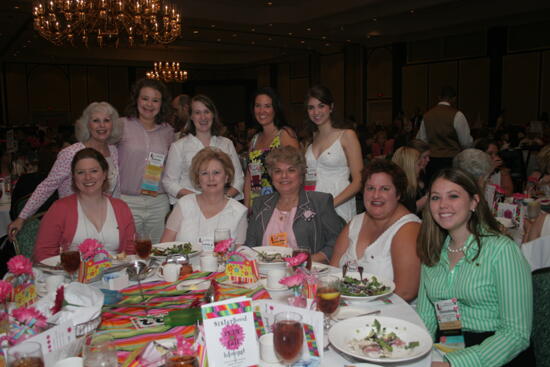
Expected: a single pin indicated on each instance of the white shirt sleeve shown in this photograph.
(422, 133)
(238, 177)
(173, 171)
(463, 130)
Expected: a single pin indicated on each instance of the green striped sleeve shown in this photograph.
(424, 306)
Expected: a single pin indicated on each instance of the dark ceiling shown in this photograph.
(247, 31)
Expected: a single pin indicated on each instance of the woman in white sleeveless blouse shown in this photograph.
(383, 239)
(334, 153)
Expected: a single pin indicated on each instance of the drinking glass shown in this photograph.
(288, 336)
(328, 296)
(99, 351)
(70, 261)
(222, 234)
(303, 250)
(173, 359)
(26, 354)
(143, 244)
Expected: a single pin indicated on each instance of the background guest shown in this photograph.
(99, 127)
(198, 215)
(204, 129)
(291, 216)
(89, 213)
(145, 142)
(268, 113)
(410, 162)
(181, 104)
(383, 239)
(334, 153)
(500, 174)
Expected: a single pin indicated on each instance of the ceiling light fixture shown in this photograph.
(168, 72)
(68, 21)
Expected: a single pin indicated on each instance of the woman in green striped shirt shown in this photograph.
(465, 257)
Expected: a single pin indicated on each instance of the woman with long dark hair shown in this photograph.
(334, 153)
(268, 113)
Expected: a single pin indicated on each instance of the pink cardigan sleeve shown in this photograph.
(52, 232)
(58, 177)
(126, 226)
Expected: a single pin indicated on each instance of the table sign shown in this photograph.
(241, 269)
(230, 333)
(21, 278)
(95, 259)
(57, 342)
(312, 321)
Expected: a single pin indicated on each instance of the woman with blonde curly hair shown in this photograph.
(409, 159)
(99, 127)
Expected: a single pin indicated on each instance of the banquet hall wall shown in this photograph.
(502, 68)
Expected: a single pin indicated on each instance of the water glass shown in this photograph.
(222, 234)
(99, 351)
(26, 354)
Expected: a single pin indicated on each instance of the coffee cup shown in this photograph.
(209, 262)
(267, 349)
(273, 278)
(170, 272)
(53, 282)
(69, 362)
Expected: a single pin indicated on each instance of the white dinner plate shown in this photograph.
(386, 282)
(347, 312)
(164, 245)
(265, 267)
(343, 332)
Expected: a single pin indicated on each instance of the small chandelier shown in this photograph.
(67, 21)
(168, 72)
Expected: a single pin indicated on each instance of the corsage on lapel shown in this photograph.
(309, 215)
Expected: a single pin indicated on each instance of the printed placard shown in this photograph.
(230, 333)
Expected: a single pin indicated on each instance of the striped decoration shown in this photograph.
(311, 341)
(259, 324)
(229, 309)
(165, 298)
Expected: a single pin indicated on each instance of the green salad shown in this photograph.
(366, 288)
(182, 248)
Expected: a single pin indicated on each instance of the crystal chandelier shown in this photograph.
(167, 72)
(69, 21)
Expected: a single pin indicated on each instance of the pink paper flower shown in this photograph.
(59, 300)
(232, 336)
(183, 348)
(295, 280)
(29, 316)
(296, 260)
(89, 248)
(6, 290)
(297, 301)
(223, 246)
(20, 265)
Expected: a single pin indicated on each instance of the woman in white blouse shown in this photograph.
(196, 216)
(204, 129)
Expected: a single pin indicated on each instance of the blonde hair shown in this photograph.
(407, 158)
(211, 154)
(81, 130)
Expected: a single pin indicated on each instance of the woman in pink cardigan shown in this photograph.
(89, 213)
(99, 127)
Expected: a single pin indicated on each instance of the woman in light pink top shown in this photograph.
(99, 127)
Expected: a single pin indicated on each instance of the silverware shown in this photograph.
(360, 270)
(344, 270)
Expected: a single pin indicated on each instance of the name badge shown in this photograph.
(278, 239)
(207, 244)
(153, 171)
(311, 179)
(448, 314)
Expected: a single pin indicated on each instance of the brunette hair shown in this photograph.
(211, 154)
(287, 154)
(481, 223)
(398, 176)
(217, 128)
(93, 154)
(81, 129)
(279, 120)
(165, 108)
(324, 95)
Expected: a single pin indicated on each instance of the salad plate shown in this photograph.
(380, 339)
(372, 288)
(161, 250)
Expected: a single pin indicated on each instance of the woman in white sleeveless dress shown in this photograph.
(333, 155)
(383, 239)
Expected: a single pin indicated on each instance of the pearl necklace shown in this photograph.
(456, 251)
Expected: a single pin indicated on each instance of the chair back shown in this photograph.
(541, 316)
(26, 237)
